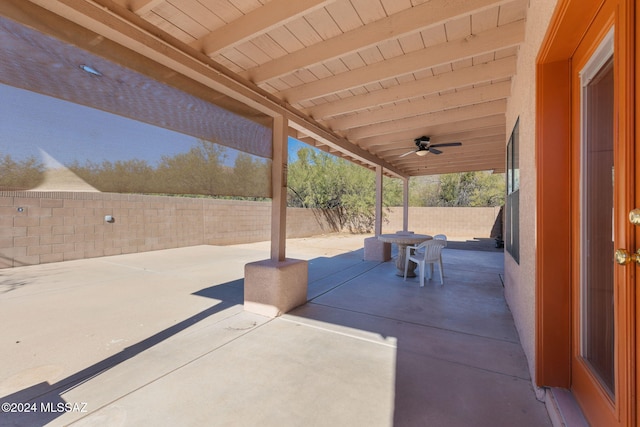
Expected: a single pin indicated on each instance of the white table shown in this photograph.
(403, 240)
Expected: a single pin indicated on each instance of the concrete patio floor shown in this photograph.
(161, 338)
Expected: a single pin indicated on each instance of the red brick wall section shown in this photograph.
(42, 227)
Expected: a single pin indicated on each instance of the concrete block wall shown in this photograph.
(42, 227)
(454, 222)
(233, 221)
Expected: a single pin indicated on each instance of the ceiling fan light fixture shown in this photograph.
(422, 141)
(422, 152)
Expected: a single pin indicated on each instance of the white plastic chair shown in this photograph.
(441, 237)
(426, 253)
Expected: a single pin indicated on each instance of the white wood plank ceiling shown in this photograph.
(374, 73)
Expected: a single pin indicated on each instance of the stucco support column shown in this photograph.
(405, 204)
(374, 249)
(276, 285)
(279, 190)
(379, 194)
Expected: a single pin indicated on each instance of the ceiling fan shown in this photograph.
(424, 146)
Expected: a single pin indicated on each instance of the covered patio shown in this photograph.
(166, 342)
(404, 88)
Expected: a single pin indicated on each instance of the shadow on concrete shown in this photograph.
(231, 293)
(44, 401)
(7, 285)
(458, 358)
(476, 244)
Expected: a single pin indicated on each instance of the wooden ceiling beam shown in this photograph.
(452, 168)
(488, 157)
(477, 156)
(494, 131)
(306, 139)
(141, 7)
(259, 21)
(408, 135)
(408, 21)
(477, 74)
(416, 122)
(481, 164)
(430, 104)
(477, 44)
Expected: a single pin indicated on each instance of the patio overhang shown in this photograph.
(359, 81)
(380, 83)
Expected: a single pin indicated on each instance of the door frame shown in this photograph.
(555, 177)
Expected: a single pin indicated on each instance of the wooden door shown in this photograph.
(603, 182)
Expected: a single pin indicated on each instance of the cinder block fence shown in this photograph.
(42, 227)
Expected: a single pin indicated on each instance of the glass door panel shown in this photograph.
(597, 297)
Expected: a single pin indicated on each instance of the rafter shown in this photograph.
(433, 129)
(455, 153)
(140, 7)
(435, 168)
(403, 23)
(476, 74)
(449, 116)
(497, 132)
(273, 14)
(445, 53)
(477, 156)
(430, 104)
(484, 162)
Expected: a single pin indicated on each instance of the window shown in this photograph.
(512, 208)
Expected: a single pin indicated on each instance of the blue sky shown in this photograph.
(51, 129)
(294, 145)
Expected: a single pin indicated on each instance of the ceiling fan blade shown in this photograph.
(407, 153)
(434, 150)
(446, 144)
